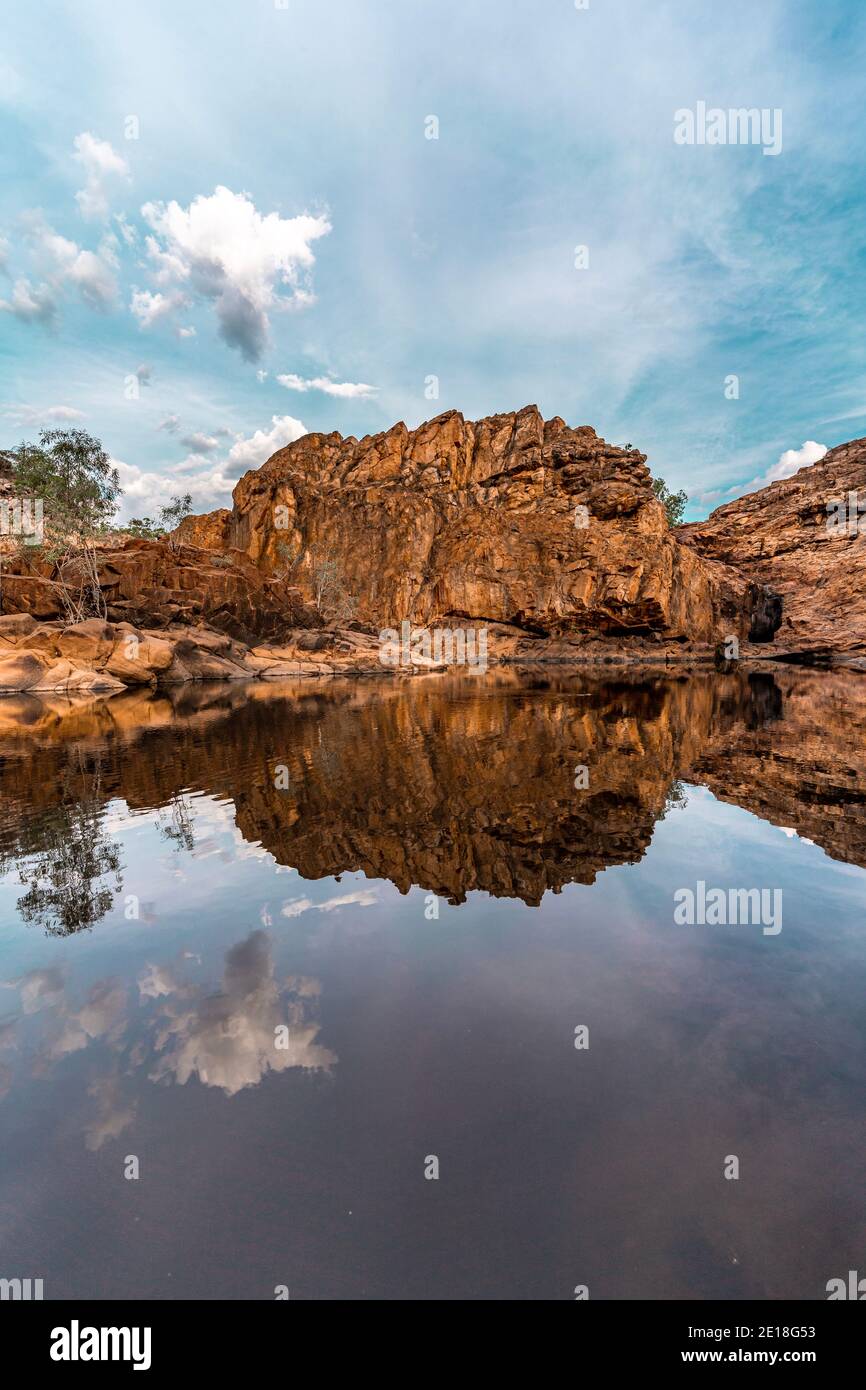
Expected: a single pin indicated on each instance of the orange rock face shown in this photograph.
(806, 539)
(511, 519)
(153, 584)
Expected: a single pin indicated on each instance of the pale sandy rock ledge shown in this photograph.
(103, 657)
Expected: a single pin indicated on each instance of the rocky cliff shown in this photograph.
(547, 536)
(158, 584)
(511, 519)
(806, 539)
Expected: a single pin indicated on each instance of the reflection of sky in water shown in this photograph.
(409, 1036)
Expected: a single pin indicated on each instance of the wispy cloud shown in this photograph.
(102, 165)
(347, 390)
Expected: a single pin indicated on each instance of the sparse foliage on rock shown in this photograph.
(674, 503)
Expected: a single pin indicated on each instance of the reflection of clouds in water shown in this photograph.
(102, 1016)
(229, 1039)
(37, 989)
(113, 1113)
(362, 897)
(157, 981)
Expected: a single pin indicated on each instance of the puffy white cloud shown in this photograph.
(200, 443)
(149, 308)
(348, 390)
(209, 482)
(790, 462)
(253, 451)
(101, 164)
(92, 277)
(226, 251)
(31, 303)
(145, 492)
(64, 263)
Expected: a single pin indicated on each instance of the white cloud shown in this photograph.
(145, 491)
(127, 231)
(101, 164)
(60, 264)
(67, 263)
(200, 443)
(32, 415)
(255, 450)
(209, 483)
(149, 308)
(226, 251)
(790, 462)
(31, 303)
(348, 390)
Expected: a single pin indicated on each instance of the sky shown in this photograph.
(224, 224)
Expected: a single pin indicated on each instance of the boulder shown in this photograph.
(20, 670)
(90, 641)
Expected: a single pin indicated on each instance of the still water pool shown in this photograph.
(379, 989)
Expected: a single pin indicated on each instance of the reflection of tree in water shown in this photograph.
(68, 854)
(179, 830)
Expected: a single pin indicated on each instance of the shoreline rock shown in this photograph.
(98, 658)
(548, 538)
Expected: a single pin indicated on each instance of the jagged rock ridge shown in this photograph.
(510, 519)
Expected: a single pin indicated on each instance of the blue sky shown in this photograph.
(354, 258)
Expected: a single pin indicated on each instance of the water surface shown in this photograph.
(431, 885)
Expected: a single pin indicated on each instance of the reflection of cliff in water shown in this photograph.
(459, 784)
